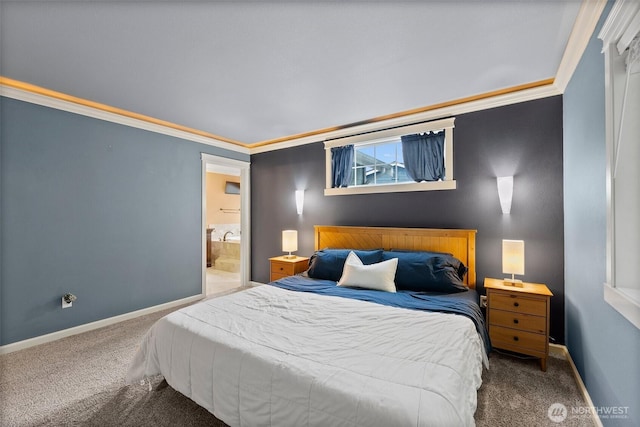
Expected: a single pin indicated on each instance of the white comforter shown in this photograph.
(272, 357)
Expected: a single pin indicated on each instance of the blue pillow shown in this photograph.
(428, 271)
(328, 264)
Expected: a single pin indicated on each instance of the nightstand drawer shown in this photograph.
(284, 268)
(518, 304)
(516, 340)
(278, 276)
(525, 322)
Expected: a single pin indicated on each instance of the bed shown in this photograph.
(309, 350)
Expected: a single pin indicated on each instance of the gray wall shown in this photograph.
(107, 212)
(523, 139)
(603, 344)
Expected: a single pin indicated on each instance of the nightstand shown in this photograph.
(518, 318)
(281, 266)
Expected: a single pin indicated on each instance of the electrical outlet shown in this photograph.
(483, 301)
(66, 304)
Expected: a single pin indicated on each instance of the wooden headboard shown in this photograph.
(459, 243)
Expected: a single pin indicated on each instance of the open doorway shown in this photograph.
(225, 196)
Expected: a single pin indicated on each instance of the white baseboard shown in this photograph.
(561, 351)
(42, 339)
(253, 283)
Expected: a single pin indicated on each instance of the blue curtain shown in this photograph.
(341, 166)
(424, 156)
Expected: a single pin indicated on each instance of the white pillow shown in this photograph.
(374, 276)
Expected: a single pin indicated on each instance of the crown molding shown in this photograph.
(35, 95)
(583, 28)
(454, 108)
(532, 91)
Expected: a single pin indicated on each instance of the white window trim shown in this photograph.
(372, 137)
(621, 26)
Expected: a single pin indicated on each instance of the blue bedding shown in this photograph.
(463, 303)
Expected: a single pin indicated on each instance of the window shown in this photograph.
(376, 161)
(379, 163)
(621, 45)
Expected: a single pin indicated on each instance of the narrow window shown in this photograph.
(408, 158)
(621, 45)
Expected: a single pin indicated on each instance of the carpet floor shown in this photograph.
(79, 381)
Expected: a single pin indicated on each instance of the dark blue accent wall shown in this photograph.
(603, 344)
(524, 140)
(107, 212)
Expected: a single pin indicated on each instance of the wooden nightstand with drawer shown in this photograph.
(518, 318)
(281, 266)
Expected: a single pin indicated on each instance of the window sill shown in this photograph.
(623, 303)
(392, 188)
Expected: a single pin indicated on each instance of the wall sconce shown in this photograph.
(299, 201)
(289, 242)
(505, 192)
(513, 261)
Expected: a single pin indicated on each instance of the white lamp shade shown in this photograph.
(505, 192)
(289, 240)
(513, 256)
(299, 201)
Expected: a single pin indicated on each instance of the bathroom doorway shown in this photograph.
(225, 225)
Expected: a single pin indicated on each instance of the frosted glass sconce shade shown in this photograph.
(299, 201)
(513, 260)
(505, 192)
(290, 242)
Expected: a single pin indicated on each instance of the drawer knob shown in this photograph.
(516, 338)
(516, 304)
(516, 321)
(281, 268)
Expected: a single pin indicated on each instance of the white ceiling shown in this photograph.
(254, 71)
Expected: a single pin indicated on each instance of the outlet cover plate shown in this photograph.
(483, 301)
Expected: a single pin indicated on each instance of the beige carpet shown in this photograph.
(79, 381)
(515, 392)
